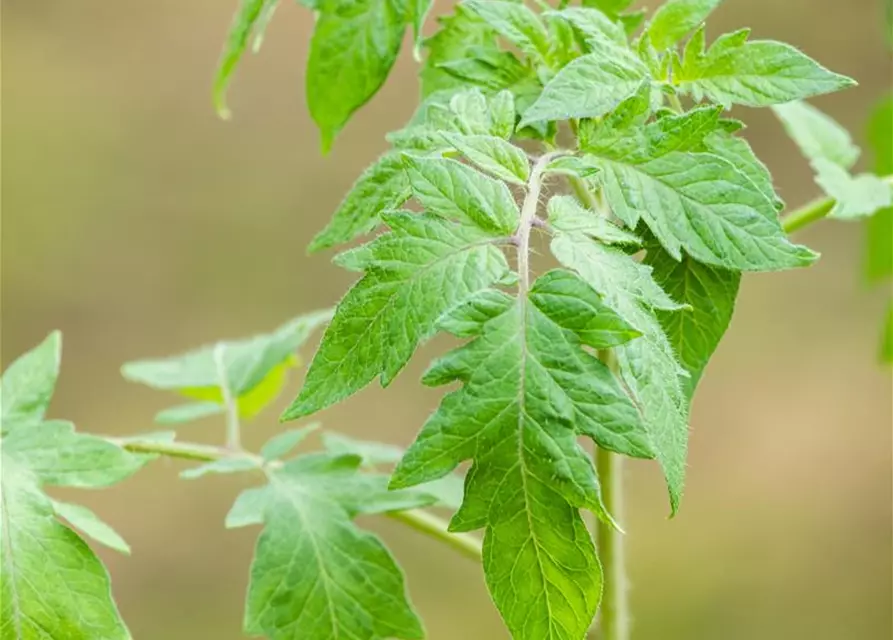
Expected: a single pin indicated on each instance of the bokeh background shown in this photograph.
(141, 224)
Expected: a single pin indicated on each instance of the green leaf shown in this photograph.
(57, 455)
(251, 17)
(253, 368)
(395, 307)
(281, 444)
(756, 73)
(588, 87)
(51, 584)
(572, 166)
(28, 383)
(529, 391)
(817, 135)
(710, 295)
(315, 575)
(460, 34)
(737, 151)
(381, 187)
(856, 196)
(494, 155)
(614, 9)
(223, 465)
(90, 525)
(516, 23)
(188, 412)
(593, 26)
(566, 214)
(354, 46)
(879, 241)
(647, 364)
(691, 198)
(454, 190)
(674, 19)
(420, 10)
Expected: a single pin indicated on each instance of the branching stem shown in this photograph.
(422, 521)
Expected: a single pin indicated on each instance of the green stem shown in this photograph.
(614, 624)
(422, 521)
(812, 211)
(431, 525)
(233, 428)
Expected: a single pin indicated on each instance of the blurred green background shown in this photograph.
(140, 224)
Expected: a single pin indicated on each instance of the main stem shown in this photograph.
(528, 215)
(614, 623)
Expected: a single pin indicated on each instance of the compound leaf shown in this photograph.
(754, 73)
(529, 391)
(315, 574)
(425, 266)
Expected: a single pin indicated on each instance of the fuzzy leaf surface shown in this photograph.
(315, 574)
(647, 364)
(516, 23)
(816, 134)
(529, 390)
(381, 187)
(710, 294)
(590, 86)
(425, 266)
(691, 197)
(52, 585)
(754, 73)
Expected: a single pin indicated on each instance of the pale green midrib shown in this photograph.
(324, 574)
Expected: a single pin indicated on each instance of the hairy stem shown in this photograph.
(614, 623)
(422, 521)
(528, 217)
(233, 428)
